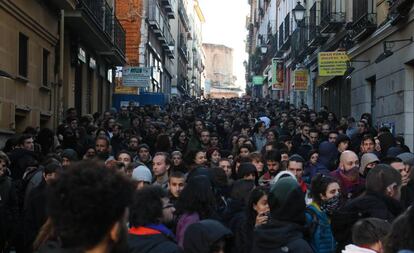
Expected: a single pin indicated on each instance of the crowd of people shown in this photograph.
(235, 175)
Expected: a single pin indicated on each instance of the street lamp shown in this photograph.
(299, 12)
(388, 44)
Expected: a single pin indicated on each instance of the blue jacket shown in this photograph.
(321, 238)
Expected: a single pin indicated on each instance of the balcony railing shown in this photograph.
(299, 41)
(102, 14)
(332, 15)
(399, 10)
(119, 35)
(281, 35)
(182, 46)
(183, 14)
(154, 16)
(287, 26)
(168, 8)
(365, 19)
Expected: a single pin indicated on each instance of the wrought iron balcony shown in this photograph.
(184, 17)
(155, 18)
(316, 38)
(399, 10)
(99, 28)
(285, 43)
(299, 41)
(332, 15)
(281, 36)
(182, 47)
(365, 19)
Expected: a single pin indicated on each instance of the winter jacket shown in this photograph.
(280, 237)
(151, 239)
(8, 209)
(355, 249)
(321, 237)
(368, 205)
(407, 194)
(200, 236)
(312, 169)
(19, 159)
(350, 189)
(54, 247)
(184, 221)
(259, 141)
(243, 236)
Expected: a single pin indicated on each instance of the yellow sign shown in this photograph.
(120, 89)
(332, 63)
(301, 79)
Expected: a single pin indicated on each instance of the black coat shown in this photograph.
(157, 243)
(8, 209)
(280, 237)
(407, 194)
(35, 214)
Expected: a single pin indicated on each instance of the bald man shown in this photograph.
(347, 173)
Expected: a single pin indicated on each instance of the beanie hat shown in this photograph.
(380, 177)
(70, 154)
(407, 158)
(281, 175)
(143, 145)
(280, 190)
(246, 169)
(365, 160)
(287, 201)
(142, 173)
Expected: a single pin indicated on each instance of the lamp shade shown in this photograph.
(299, 12)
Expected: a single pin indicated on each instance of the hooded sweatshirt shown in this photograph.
(200, 236)
(355, 249)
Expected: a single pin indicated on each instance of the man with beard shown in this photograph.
(272, 161)
(88, 207)
(352, 185)
(103, 149)
(151, 211)
(133, 144)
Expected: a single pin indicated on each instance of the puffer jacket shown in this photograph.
(321, 237)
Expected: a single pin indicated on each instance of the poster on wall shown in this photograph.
(332, 63)
(277, 74)
(301, 79)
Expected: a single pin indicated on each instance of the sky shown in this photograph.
(226, 24)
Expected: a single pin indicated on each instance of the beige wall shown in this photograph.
(219, 64)
(23, 101)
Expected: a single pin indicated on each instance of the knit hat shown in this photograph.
(407, 158)
(143, 145)
(281, 175)
(70, 154)
(246, 169)
(287, 201)
(142, 173)
(365, 160)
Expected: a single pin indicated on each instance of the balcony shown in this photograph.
(169, 10)
(299, 42)
(183, 15)
(159, 25)
(315, 36)
(99, 29)
(182, 47)
(281, 36)
(399, 10)
(286, 34)
(332, 15)
(365, 19)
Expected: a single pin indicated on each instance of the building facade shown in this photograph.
(159, 36)
(377, 38)
(220, 80)
(55, 55)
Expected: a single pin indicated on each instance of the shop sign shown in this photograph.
(301, 79)
(136, 77)
(277, 74)
(258, 80)
(332, 63)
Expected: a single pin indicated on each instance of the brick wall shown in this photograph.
(129, 14)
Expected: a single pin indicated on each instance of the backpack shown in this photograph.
(311, 227)
(342, 222)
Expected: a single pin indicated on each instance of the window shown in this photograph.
(45, 67)
(23, 53)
